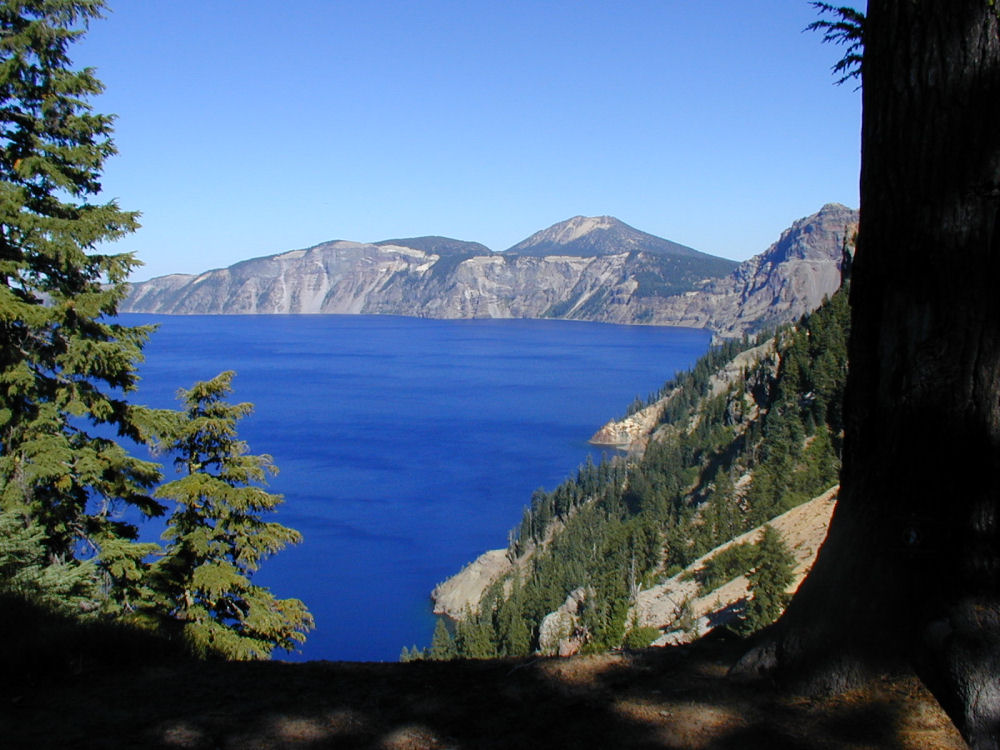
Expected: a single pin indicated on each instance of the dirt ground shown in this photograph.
(657, 698)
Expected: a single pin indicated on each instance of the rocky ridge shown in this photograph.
(595, 269)
(464, 589)
(633, 432)
(786, 281)
(629, 432)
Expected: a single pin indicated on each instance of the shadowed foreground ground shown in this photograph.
(659, 698)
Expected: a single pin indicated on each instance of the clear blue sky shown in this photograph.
(249, 127)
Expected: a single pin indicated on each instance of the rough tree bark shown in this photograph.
(911, 566)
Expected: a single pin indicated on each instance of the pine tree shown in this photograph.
(216, 537)
(769, 580)
(27, 572)
(474, 636)
(442, 644)
(65, 365)
(513, 633)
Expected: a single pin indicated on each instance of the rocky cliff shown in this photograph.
(585, 268)
(781, 284)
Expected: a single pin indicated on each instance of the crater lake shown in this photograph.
(406, 447)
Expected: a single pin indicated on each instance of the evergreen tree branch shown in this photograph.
(846, 29)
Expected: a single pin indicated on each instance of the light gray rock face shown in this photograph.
(599, 235)
(441, 278)
(335, 277)
(559, 631)
(781, 284)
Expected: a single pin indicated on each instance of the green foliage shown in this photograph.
(446, 265)
(442, 644)
(728, 564)
(685, 620)
(26, 571)
(497, 627)
(412, 654)
(721, 517)
(693, 385)
(687, 388)
(513, 634)
(849, 30)
(67, 371)
(665, 275)
(65, 365)
(475, 636)
(640, 637)
(799, 451)
(216, 537)
(769, 579)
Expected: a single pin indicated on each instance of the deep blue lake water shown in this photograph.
(407, 447)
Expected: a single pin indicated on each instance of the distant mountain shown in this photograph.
(443, 246)
(587, 236)
(586, 268)
(659, 267)
(781, 284)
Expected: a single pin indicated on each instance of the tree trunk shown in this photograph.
(911, 566)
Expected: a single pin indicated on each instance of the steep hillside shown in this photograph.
(750, 433)
(595, 269)
(778, 286)
(686, 595)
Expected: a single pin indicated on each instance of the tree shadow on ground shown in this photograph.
(92, 690)
(727, 615)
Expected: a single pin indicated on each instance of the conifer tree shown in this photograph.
(442, 644)
(216, 537)
(27, 572)
(514, 634)
(474, 636)
(64, 363)
(910, 570)
(769, 579)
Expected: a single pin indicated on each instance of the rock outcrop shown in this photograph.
(463, 590)
(781, 284)
(559, 633)
(595, 269)
(632, 431)
(803, 530)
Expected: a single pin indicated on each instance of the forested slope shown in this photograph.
(733, 448)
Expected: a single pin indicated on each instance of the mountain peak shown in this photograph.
(588, 236)
(813, 237)
(573, 229)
